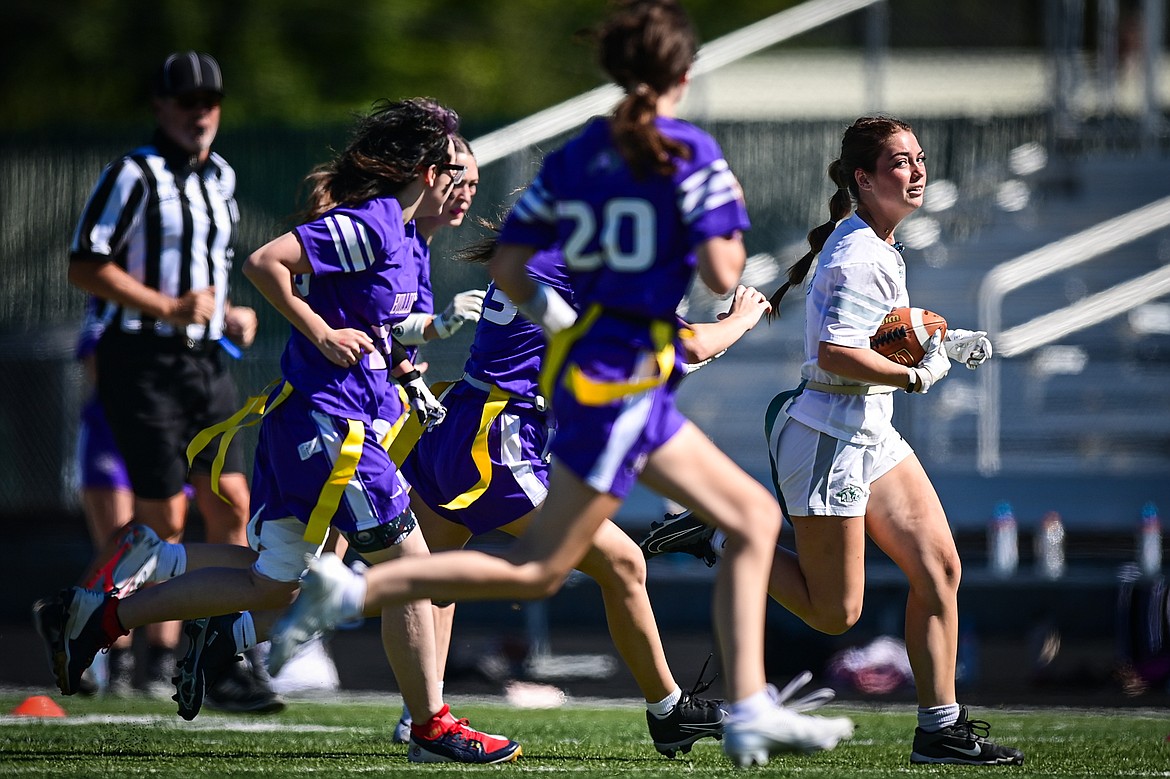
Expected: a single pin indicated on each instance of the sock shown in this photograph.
(353, 598)
(244, 632)
(435, 726)
(718, 541)
(935, 718)
(752, 706)
(172, 562)
(111, 625)
(666, 705)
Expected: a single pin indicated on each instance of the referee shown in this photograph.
(154, 243)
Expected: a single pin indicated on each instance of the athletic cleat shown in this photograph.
(315, 612)
(402, 731)
(807, 702)
(691, 719)
(240, 690)
(781, 730)
(680, 533)
(71, 625)
(132, 563)
(211, 650)
(451, 740)
(965, 743)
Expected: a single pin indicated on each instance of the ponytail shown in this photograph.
(642, 146)
(840, 206)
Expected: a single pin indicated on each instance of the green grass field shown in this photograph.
(117, 738)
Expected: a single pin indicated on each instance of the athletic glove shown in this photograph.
(549, 310)
(932, 367)
(808, 702)
(430, 411)
(970, 347)
(464, 307)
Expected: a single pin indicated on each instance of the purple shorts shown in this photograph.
(442, 467)
(297, 448)
(98, 461)
(607, 446)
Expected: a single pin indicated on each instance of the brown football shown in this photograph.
(902, 335)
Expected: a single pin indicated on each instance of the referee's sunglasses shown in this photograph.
(458, 172)
(193, 100)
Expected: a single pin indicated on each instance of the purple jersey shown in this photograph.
(629, 246)
(508, 348)
(364, 277)
(628, 242)
(425, 302)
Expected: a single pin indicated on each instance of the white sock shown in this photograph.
(244, 631)
(718, 541)
(935, 718)
(752, 706)
(664, 706)
(353, 598)
(172, 562)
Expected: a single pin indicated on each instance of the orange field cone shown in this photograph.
(38, 706)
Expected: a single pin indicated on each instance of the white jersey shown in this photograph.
(858, 280)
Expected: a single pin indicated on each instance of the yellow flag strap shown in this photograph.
(343, 470)
(404, 434)
(480, 454)
(256, 405)
(591, 392)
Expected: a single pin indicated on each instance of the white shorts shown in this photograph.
(282, 547)
(818, 475)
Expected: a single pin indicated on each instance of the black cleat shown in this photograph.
(680, 533)
(211, 650)
(242, 688)
(691, 719)
(964, 743)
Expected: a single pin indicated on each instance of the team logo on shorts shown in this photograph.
(849, 495)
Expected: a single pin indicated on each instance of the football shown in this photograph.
(902, 335)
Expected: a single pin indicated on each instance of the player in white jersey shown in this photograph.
(842, 471)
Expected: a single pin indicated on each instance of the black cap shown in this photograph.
(188, 71)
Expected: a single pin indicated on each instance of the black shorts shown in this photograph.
(157, 395)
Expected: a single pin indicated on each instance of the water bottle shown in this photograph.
(1003, 551)
(1049, 547)
(1150, 541)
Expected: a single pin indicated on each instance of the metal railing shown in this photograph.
(1039, 331)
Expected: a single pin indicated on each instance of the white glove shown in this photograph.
(464, 307)
(932, 367)
(549, 310)
(970, 347)
(430, 411)
(813, 700)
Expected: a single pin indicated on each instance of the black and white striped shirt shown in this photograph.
(166, 223)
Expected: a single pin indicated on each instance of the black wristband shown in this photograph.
(409, 376)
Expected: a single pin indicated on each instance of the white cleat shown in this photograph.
(781, 730)
(316, 611)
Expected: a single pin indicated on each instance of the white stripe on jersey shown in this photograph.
(707, 189)
(861, 311)
(351, 241)
(626, 431)
(535, 205)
